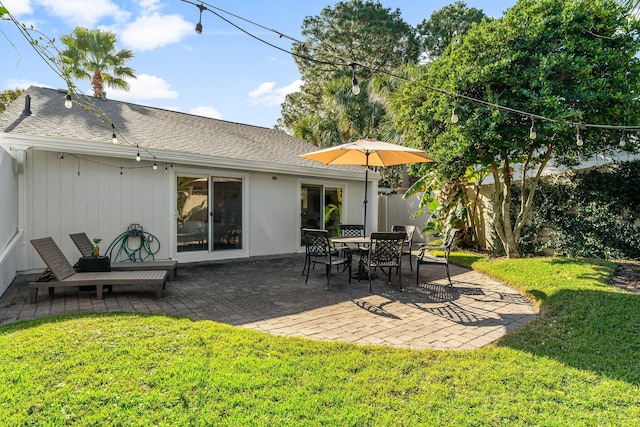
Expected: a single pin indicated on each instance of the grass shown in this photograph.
(575, 364)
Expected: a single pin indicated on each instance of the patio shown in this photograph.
(269, 294)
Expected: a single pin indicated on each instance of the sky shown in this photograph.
(222, 73)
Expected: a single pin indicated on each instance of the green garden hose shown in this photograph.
(135, 244)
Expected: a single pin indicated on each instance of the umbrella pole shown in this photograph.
(366, 182)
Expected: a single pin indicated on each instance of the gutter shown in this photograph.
(16, 143)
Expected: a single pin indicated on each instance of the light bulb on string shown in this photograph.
(138, 155)
(579, 140)
(532, 131)
(120, 170)
(155, 166)
(622, 142)
(67, 101)
(355, 88)
(114, 138)
(199, 24)
(454, 115)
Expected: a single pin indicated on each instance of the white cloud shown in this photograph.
(22, 84)
(154, 30)
(78, 12)
(268, 95)
(18, 7)
(205, 111)
(145, 87)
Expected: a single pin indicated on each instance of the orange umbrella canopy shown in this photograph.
(368, 152)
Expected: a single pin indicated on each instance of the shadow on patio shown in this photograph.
(269, 294)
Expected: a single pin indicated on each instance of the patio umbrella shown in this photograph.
(368, 152)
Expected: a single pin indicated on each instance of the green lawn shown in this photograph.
(576, 364)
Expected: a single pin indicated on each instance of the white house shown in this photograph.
(207, 189)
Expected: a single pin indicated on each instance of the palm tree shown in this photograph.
(91, 55)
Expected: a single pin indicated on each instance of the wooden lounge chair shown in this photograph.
(65, 275)
(85, 247)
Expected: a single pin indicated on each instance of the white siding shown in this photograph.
(102, 203)
(99, 201)
(8, 220)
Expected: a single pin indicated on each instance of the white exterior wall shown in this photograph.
(99, 201)
(103, 203)
(9, 231)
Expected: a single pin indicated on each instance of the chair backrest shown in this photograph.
(386, 247)
(352, 230)
(53, 257)
(83, 243)
(316, 242)
(407, 229)
(448, 243)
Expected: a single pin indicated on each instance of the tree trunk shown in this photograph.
(97, 84)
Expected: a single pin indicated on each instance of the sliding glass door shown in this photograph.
(201, 198)
(321, 208)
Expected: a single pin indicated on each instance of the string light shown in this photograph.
(138, 155)
(155, 166)
(355, 88)
(622, 142)
(199, 24)
(454, 116)
(121, 170)
(579, 140)
(532, 131)
(67, 101)
(114, 138)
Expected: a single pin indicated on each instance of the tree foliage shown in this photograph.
(568, 60)
(353, 38)
(90, 54)
(8, 96)
(445, 25)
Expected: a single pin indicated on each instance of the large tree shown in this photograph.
(90, 54)
(354, 38)
(559, 66)
(445, 25)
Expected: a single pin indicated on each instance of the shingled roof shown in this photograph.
(159, 132)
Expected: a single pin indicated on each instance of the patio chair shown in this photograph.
(352, 230)
(408, 242)
(425, 258)
(385, 251)
(319, 251)
(65, 275)
(84, 245)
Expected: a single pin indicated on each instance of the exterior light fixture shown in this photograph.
(532, 131)
(355, 88)
(67, 101)
(454, 115)
(199, 24)
(579, 140)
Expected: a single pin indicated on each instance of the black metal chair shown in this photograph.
(352, 230)
(408, 242)
(319, 251)
(425, 258)
(385, 251)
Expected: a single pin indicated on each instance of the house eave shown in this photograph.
(16, 143)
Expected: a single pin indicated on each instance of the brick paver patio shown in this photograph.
(269, 294)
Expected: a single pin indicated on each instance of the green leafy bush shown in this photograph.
(593, 214)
